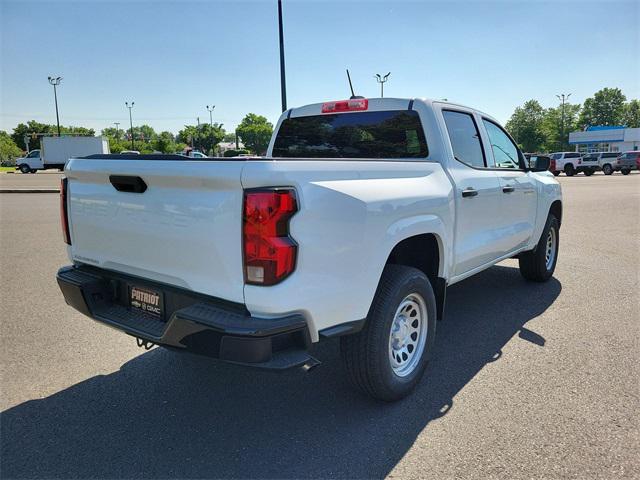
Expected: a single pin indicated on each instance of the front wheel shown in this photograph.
(625, 171)
(387, 359)
(539, 264)
(588, 172)
(24, 168)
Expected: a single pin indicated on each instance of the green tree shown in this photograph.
(631, 115)
(34, 130)
(526, 126)
(30, 129)
(555, 130)
(203, 137)
(606, 107)
(9, 151)
(255, 132)
(165, 142)
(229, 137)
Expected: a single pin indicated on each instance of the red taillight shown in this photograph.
(353, 105)
(269, 251)
(64, 214)
(552, 165)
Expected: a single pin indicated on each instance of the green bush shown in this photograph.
(235, 153)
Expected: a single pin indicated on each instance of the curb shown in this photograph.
(29, 190)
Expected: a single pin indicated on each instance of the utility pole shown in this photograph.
(562, 97)
(131, 122)
(381, 80)
(211, 114)
(117, 124)
(283, 82)
(55, 81)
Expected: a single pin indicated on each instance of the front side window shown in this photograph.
(34, 154)
(386, 134)
(465, 139)
(505, 153)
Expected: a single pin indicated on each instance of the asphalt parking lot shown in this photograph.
(48, 179)
(528, 380)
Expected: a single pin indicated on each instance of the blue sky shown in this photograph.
(174, 57)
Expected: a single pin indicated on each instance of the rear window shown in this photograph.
(387, 134)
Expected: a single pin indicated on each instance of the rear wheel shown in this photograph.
(588, 172)
(387, 359)
(625, 171)
(607, 169)
(569, 170)
(539, 264)
(556, 173)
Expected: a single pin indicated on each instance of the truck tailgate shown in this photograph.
(183, 230)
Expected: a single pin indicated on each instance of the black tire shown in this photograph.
(569, 170)
(533, 264)
(366, 355)
(556, 172)
(625, 171)
(607, 169)
(24, 168)
(588, 172)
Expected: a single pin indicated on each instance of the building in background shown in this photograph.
(606, 139)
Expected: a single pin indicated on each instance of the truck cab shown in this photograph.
(30, 163)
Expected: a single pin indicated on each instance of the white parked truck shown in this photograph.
(360, 216)
(55, 152)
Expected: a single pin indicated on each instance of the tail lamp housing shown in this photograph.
(269, 252)
(64, 214)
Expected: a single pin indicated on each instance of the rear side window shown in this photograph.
(610, 155)
(572, 155)
(464, 137)
(387, 134)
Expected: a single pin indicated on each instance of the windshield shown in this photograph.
(387, 134)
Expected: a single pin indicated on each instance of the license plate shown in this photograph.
(146, 300)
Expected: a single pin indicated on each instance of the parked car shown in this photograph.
(55, 152)
(628, 161)
(588, 164)
(567, 162)
(607, 161)
(361, 215)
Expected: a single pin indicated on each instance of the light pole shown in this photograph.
(562, 97)
(55, 81)
(130, 122)
(283, 82)
(381, 80)
(117, 124)
(210, 110)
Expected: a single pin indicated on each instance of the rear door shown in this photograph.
(518, 202)
(183, 228)
(477, 193)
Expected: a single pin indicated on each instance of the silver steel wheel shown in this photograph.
(550, 249)
(408, 335)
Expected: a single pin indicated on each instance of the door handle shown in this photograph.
(469, 192)
(508, 189)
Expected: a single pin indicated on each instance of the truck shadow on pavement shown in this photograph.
(167, 415)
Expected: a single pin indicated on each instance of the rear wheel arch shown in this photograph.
(424, 252)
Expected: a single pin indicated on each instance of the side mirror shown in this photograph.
(539, 164)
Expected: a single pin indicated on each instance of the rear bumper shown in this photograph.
(190, 321)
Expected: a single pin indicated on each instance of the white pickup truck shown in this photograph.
(359, 217)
